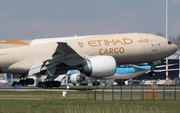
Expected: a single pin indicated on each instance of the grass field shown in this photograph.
(76, 102)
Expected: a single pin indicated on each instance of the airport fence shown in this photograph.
(143, 92)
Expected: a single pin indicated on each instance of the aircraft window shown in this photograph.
(169, 42)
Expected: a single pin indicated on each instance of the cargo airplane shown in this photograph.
(95, 56)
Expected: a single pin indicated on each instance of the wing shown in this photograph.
(162, 70)
(63, 55)
(136, 67)
(160, 66)
(165, 70)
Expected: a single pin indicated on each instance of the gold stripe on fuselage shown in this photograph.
(14, 42)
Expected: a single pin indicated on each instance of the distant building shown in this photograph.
(173, 59)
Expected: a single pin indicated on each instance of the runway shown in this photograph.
(10, 88)
(109, 90)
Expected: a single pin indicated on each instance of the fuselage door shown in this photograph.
(154, 45)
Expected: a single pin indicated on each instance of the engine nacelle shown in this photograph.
(76, 78)
(99, 66)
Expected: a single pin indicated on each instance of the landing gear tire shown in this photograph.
(20, 83)
(30, 81)
(23, 83)
(96, 84)
(56, 83)
(15, 84)
(48, 84)
(152, 74)
(42, 85)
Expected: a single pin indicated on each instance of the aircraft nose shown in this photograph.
(172, 48)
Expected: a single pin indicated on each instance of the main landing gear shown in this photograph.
(49, 81)
(28, 81)
(49, 84)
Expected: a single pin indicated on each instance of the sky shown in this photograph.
(30, 19)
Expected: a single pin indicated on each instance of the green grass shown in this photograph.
(65, 106)
(76, 102)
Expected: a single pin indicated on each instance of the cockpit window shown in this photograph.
(169, 42)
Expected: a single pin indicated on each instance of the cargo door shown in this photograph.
(154, 45)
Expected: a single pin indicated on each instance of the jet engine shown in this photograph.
(76, 78)
(99, 66)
